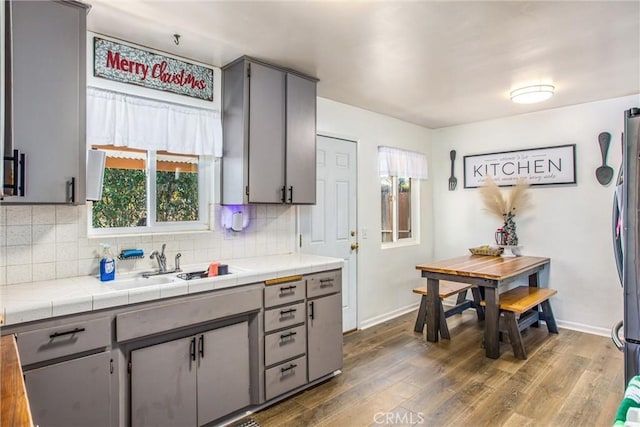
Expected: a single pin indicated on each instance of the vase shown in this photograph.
(510, 228)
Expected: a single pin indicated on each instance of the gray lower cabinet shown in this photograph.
(72, 393)
(46, 107)
(324, 335)
(193, 380)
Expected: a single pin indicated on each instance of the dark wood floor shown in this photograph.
(393, 377)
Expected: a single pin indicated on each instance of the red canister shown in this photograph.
(502, 237)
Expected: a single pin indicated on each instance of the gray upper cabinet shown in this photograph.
(269, 125)
(46, 107)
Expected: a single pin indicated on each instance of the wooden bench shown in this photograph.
(519, 308)
(446, 290)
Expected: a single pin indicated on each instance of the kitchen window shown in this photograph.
(397, 202)
(400, 174)
(152, 190)
(159, 162)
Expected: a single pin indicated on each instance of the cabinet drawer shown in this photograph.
(283, 293)
(283, 345)
(287, 376)
(284, 317)
(324, 283)
(63, 340)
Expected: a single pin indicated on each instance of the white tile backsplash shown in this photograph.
(18, 235)
(45, 233)
(43, 214)
(18, 215)
(67, 214)
(50, 242)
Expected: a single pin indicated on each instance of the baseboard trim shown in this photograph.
(574, 326)
(365, 324)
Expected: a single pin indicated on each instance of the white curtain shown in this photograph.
(115, 118)
(402, 163)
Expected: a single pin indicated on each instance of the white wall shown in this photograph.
(385, 277)
(571, 224)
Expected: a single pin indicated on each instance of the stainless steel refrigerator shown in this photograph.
(626, 242)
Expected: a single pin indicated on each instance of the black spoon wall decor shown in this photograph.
(604, 173)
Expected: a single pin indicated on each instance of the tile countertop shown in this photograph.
(26, 302)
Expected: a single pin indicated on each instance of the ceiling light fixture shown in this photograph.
(532, 94)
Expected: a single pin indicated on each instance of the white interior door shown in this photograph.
(329, 227)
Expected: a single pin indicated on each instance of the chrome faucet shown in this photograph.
(161, 258)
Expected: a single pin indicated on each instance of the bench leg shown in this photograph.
(476, 303)
(548, 317)
(422, 315)
(444, 329)
(514, 335)
(462, 297)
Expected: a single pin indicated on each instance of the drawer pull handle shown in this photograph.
(288, 368)
(201, 346)
(71, 332)
(286, 312)
(287, 289)
(289, 335)
(326, 282)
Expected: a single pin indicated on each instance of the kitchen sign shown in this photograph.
(537, 166)
(127, 64)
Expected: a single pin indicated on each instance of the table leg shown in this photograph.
(534, 282)
(433, 312)
(491, 325)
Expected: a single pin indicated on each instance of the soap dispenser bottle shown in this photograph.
(107, 264)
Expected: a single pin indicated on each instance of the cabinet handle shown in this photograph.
(285, 312)
(291, 194)
(192, 349)
(201, 346)
(286, 289)
(311, 314)
(23, 167)
(285, 336)
(71, 332)
(288, 368)
(71, 190)
(283, 191)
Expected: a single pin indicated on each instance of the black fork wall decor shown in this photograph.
(453, 181)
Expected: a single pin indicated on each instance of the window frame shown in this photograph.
(415, 215)
(205, 198)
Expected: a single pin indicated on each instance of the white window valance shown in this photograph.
(123, 120)
(402, 163)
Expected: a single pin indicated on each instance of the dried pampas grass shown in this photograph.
(496, 204)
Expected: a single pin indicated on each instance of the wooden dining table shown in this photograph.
(486, 272)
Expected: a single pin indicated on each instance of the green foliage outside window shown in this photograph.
(124, 200)
(177, 197)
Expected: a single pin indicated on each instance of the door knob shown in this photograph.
(354, 246)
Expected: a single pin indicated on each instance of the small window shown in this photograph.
(151, 191)
(398, 205)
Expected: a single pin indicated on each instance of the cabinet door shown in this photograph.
(73, 393)
(324, 335)
(301, 140)
(266, 134)
(48, 99)
(163, 384)
(223, 371)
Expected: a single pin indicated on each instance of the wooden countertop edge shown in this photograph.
(14, 405)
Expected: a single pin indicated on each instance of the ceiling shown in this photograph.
(435, 64)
